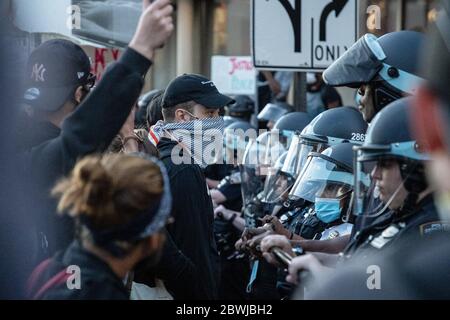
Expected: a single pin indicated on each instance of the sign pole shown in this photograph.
(300, 91)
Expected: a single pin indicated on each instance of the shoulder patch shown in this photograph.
(435, 226)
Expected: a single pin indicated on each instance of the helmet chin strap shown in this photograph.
(378, 213)
(414, 183)
(382, 96)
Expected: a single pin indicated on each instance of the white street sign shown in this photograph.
(302, 35)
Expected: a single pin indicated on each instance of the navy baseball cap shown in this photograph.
(194, 87)
(54, 70)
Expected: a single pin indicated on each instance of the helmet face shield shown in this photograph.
(358, 65)
(278, 183)
(271, 112)
(380, 182)
(297, 155)
(322, 178)
(260, 155)
(235, 142)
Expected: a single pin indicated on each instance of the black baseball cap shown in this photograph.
(54, 70)
(194, 87)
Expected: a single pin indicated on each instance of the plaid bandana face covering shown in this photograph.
(201, 139)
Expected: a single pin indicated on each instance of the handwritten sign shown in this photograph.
(101, 58)
(233, 75)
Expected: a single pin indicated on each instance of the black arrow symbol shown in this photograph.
(337, 6)
(296, 21)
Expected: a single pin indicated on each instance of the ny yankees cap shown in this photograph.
(54, 70)
(194, 87)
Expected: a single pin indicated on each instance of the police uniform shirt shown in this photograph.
(230, 187)
(305, 223)
(407, 231)
(339, 230)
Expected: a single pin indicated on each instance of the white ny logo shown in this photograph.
(38, 73)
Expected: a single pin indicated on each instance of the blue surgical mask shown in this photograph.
(327, 210)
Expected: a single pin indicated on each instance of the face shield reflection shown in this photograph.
(271, 112)
(235, 142)
(260, 155)
(278, 183)
(322, 178)
(379, 187)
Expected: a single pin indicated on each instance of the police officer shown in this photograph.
(395, 162)
(279, 180)
(388, 69)
(426, 263)
(289, 124)
(327, 181)
(241, 110)
(228, 192)
(229, 224)
(384, 69)
(332, 127)
(274, 111)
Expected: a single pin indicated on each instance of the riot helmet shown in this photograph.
(242, 109)
(235, 140)
(290, 123)
(328, 182)
(331, 127)
(388, 63)
(274, 111)
(394, 160)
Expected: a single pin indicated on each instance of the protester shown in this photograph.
(320, 96)
(191, 106)
(121, 203)
(70, 122)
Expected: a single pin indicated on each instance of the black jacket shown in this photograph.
(174, 268)
(51, 154)
(97, 280)
(192, 210)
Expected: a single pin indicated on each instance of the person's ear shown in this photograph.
(181, 116)
(79, 94)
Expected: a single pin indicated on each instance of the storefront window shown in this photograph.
(419, 13)
(231, 27)
(379, 16)
(383, 16)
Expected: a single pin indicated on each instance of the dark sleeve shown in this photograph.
(177, 271)
(330, 95)
(232, 192)
(192, 206)
(92, 127)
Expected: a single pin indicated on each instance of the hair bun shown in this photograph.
(95, 182)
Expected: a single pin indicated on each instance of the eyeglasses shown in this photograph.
(90, 81)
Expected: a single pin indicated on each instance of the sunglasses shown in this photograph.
(90, 81)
